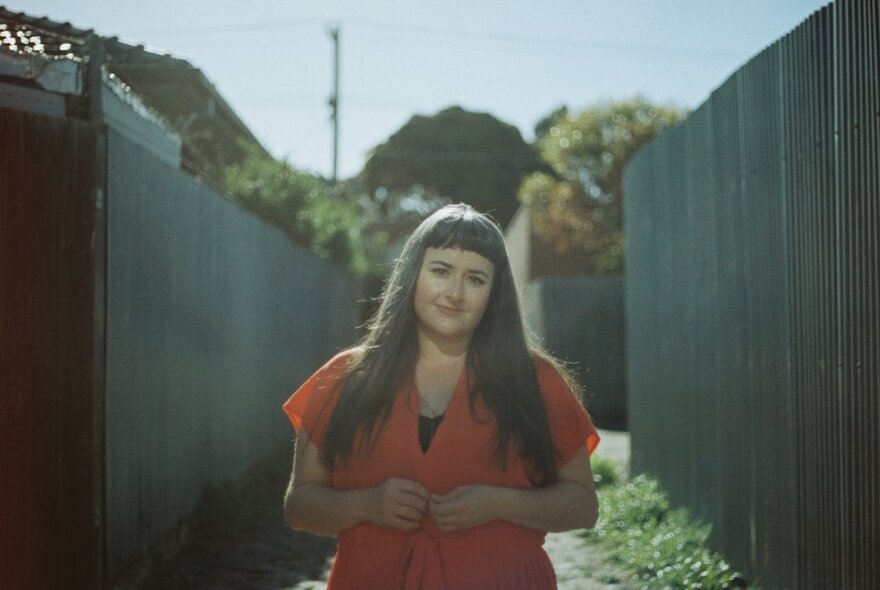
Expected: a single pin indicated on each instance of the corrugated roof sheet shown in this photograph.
(179, 92)
(26, 34)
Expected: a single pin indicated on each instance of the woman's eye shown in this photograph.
(478, 281)
(440, 271)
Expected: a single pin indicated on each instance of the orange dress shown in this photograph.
(495, 555)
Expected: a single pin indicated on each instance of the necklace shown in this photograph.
(439, 383)
(425, 404)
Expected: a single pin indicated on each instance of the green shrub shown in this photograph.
(605, 471)
(664, 548)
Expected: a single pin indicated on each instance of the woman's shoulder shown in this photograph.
(334, 370)
(349, 354)
(341, 361)
(546, 366)
(320, 391)
(554, 377)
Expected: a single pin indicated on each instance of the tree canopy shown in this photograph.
(581, 204)
(454, 155)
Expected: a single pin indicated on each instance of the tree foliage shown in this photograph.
(313, 213)
(453, 155)
(543, 127)
(581, 205)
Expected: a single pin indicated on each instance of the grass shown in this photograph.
(661, 547)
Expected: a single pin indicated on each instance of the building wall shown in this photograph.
(583, 324)
(577, 317)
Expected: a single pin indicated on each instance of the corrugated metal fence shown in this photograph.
(213, 318)
(49, 532)
(753, 307)
(209, 319)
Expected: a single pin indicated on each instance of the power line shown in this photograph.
(530, 39)
(434, 155)
(568, 52)
(230, 27)
(507, 38)
(319, 101)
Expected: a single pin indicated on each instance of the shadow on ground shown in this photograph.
(239, 541)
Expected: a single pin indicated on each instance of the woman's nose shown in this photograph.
(454, 289)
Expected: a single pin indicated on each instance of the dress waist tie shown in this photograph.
(423, 569)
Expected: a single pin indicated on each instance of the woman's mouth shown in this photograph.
(449, 310)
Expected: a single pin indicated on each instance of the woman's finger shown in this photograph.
(442, 510)
(414, 488)
(414, 502)
(407, 513)
(449, 496)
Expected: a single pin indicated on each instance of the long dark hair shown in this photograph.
(501, 356)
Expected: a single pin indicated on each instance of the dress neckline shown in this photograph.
(442, 422)
(428, 429)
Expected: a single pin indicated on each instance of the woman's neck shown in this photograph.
(433, 351)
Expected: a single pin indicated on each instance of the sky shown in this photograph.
(272, 60)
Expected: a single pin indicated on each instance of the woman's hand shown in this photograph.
(568, 504)
(463, 508)
(399, 503)
(311, 504)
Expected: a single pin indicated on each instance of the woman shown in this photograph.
(441, 449)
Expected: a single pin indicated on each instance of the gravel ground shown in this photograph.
(238, 541)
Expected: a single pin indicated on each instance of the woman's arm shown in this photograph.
(311, 505)
(568, 504)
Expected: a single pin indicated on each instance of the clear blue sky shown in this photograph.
(516, 59)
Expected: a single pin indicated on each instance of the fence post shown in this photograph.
(95, 85)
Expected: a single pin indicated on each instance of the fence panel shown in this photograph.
(758, 234)
(213, 318)
(48, 440)
(703, 291)
(814, 224)
(858, 105)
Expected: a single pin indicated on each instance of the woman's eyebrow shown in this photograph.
(470, 270)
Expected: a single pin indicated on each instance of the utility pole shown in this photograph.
(334, 99)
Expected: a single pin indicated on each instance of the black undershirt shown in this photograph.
(427, 428)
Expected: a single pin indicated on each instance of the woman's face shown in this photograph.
(452, 291)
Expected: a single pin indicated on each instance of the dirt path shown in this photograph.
(239, 542)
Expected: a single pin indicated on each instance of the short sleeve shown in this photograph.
(570, 425)
(311, 406)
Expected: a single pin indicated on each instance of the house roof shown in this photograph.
(177, 91)
(26, 34)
